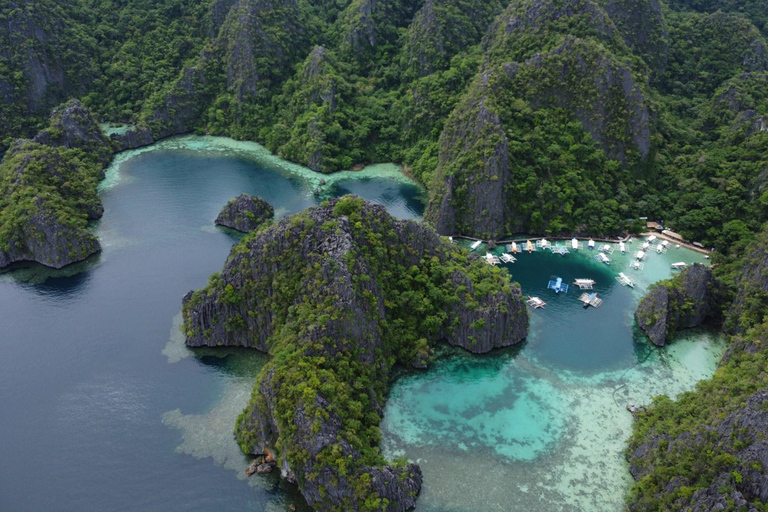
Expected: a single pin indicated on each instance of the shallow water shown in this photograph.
(103, 407)
(543, 427)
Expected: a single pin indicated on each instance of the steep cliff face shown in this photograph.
(310, 129)
(738, 479)
(541, 103)
(708, 49)
(245, 213)
(473, 202)
(337, 295)
(680, 303)
(751, 301)
(48, 191)
(42, 63)
(442, 29)
(643, 28)
(254, 51)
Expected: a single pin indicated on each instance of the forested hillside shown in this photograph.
(543, 116)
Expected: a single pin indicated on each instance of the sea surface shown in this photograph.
(102, 407)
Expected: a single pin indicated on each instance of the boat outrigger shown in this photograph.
(559, 249)
(590, 299)
(508, 258)
(491, 259)
(584, 284)
(557, 285)
(535, 302)
(624, 279)
(602, 258)
(475, 245)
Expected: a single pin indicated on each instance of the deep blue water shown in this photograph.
(95, 416)
(83, 382)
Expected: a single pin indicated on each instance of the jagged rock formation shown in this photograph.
(442, 29)
(32, 42)
(751, 301)
(48, 191)
(680, 303)
(336, 295)
(737, 441)
(245, 213)
(473, 129)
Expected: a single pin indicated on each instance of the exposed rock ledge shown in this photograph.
(245, 213)
(679, 303)
(337, 295)
(50, 194)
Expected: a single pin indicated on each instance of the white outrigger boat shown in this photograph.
(508, 258)
(637, 265)
(680, 265)
(574, 244)
(622, 247)
(602, 258)
(591, 299)
(651, 239)
(646, 245)
(558, 249)
(543, 243)
(512, 247)
(607, 248)
(591, 244)
(451, 240)
(659, 249)
(475, 245)
(624, 279)
(584, 284)
(491, 259)
(665, 243)
(640, 255)
(535, 302)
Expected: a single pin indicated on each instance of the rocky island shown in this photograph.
(706, 450)
(48, 190)
(338, 295)
(245, 213)
(680, 303)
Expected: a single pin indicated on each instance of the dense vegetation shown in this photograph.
(337, 84)
(338, 295)
(705, 445)
(48, 190)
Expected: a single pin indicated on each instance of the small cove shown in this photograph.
(104, 404)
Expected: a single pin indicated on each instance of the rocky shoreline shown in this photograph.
(337, 295)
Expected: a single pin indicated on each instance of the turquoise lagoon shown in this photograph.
(104, 406)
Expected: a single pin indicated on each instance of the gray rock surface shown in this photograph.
(342, 277)
(685, 301)
(48, 236)
(742, 435)
(245, 213)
